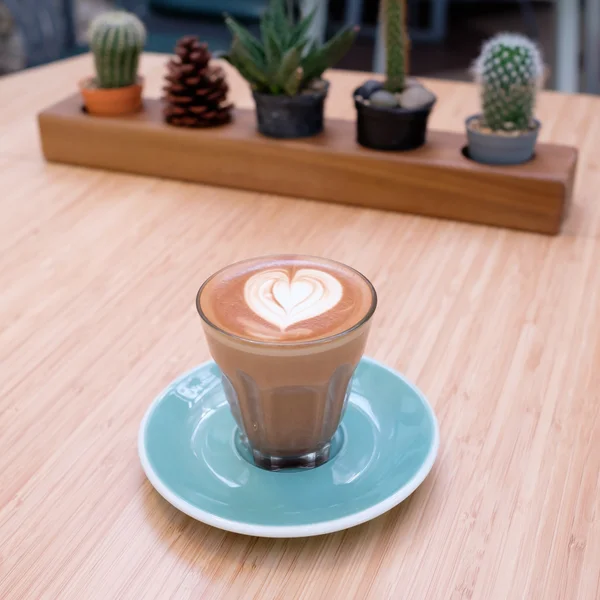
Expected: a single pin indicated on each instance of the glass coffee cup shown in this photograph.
(287, 332)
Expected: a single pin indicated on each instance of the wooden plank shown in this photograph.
(499, 328)
(435, 180)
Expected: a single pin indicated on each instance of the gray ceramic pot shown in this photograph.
(493, 149)
(291, 116)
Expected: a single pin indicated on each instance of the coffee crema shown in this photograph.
(287, 298)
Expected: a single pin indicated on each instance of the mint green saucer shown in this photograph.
(384, 449)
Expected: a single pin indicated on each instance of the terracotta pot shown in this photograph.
(111, 102)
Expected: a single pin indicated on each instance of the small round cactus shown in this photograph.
(117, 39)
(510, 70)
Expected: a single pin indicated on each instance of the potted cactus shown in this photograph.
(284, 69)
(510, 70)
(116, 39)
(393, 115)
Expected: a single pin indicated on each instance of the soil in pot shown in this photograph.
(111, 102)
(387, 121)
(500, 147)
(292, 116)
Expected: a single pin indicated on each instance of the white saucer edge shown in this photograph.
(291, 531)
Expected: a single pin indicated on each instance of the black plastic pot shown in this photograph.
(291, 116)
(390, 128)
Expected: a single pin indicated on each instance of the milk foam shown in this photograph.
(283, 301)
(286, 299)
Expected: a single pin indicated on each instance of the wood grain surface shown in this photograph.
(434, 180)
(500, 329)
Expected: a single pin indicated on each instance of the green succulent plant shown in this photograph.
(510, 70)
(117, 39)
(285, 60)
(395, 42)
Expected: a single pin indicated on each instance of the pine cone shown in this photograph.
(196, 91)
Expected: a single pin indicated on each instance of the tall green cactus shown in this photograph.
(395, 40)
(510, 70)
(117, 39)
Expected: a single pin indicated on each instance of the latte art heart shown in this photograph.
(282, 301)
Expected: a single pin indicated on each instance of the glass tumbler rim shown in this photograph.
(292, 343)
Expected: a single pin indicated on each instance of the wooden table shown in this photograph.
(501, 330)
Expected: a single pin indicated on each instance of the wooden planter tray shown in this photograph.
(435, 180)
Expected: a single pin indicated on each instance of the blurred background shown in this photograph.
(446, 34)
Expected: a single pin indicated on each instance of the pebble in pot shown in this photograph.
(510, 71)
(393, 115)
(285, 77)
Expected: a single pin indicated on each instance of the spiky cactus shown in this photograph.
(285, 61)
(395, 40)
(117, 39)
(510, 70)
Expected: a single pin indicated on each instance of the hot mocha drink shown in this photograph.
(287, 333)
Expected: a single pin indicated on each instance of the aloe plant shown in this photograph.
(285, 60)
